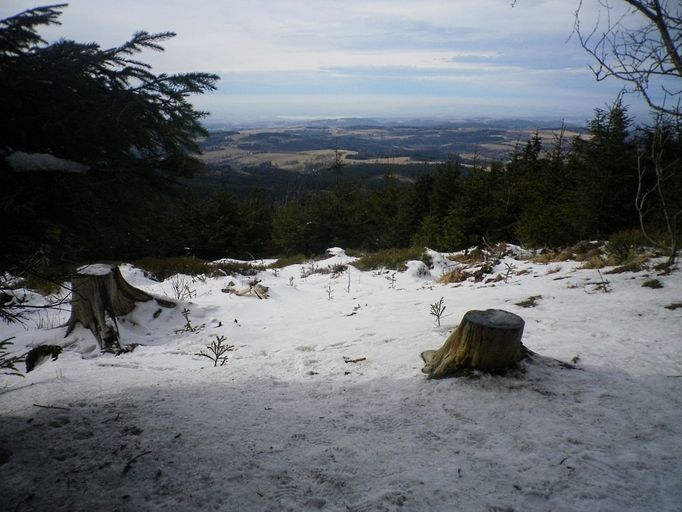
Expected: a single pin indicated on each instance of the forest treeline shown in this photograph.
(548, 193)
(125, 139)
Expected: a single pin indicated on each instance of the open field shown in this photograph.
(309, 149)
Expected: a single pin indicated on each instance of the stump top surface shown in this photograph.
(494, 318)
(97, 269)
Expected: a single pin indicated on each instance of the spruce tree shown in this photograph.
(90, 109)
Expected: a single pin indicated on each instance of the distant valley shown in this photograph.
(277, 159)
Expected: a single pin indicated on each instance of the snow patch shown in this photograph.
(322, 404)
(26, 162)
(97, 269)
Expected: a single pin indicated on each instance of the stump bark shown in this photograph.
(99, 295)
(484, 340)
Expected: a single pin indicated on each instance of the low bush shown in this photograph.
(392, 259)
(46, 280)
(235, 267)
(623, 247)
(162, 268)
(285, 261)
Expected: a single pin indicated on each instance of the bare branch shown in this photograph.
(646, 55)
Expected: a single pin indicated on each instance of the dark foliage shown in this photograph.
(103, 111)
(135, 132)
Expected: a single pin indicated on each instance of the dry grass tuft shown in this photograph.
(633, 266)
(530, 302)
(595, 262)
(456, 275)
(469, 257)
(582, 251)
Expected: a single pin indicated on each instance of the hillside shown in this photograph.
(289, 424)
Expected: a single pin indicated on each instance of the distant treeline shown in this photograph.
(548, 193)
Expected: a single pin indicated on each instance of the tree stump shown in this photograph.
(99, 295)
(484, 340)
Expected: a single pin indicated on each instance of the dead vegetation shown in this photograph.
(463, 272)
(530, 302)
(582, 251)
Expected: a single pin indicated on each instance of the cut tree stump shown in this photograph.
(99, 295)
(484, 340)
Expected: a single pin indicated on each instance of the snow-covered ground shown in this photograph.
(288, 425)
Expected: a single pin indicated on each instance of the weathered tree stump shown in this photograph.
(484, 340)
(99, 295)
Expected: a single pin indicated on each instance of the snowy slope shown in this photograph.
(287, 424)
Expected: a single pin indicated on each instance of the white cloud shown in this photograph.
(483, 44)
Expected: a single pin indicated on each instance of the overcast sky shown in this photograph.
(367, 58)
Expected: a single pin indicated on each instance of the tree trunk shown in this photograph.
(484, 340)
(100, 294)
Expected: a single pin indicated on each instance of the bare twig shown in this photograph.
(129, 464)
(644, 55)
(51, 407)
(347, 360)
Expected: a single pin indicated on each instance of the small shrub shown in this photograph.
(585, 250)
(634, 266)
(182, 288)
(391, 259)
(673, 306)
(216, 351)
(652, 283)
(163, 268)
(338, 269)
(188, 327)
(311, 269)
(8, 363)
(437, 310)
(509, 269)
(286, 261)
(622, 247)
(47, 319)
(353, 253)
(482, 271)
(47, 281)
(236, 268)
(335, 270)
